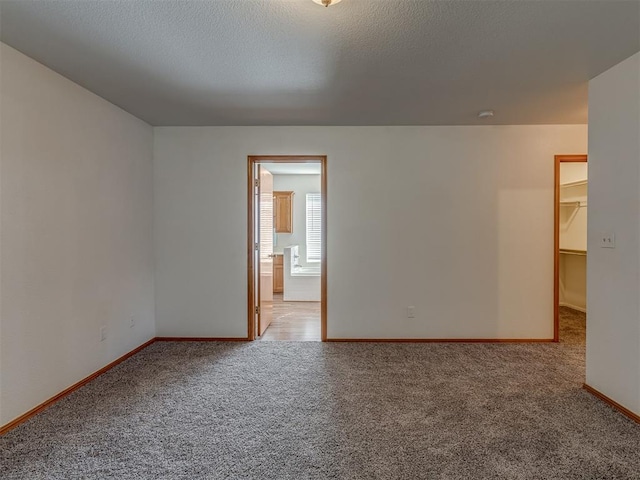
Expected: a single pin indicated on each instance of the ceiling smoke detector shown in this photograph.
(485, 114)
(326, 3)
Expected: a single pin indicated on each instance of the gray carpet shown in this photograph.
(572, 326)
(273, 410)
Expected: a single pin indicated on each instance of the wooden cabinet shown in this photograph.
(278, 273)
(283, 211)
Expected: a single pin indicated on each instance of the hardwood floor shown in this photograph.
(293, 321)
(300, 322)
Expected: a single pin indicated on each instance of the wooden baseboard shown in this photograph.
(201, 339)
(26, 416)
(443, 340)
(625, 411)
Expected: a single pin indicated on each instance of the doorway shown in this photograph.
(287, 248)
(570, 248)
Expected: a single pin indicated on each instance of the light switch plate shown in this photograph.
(608, 240)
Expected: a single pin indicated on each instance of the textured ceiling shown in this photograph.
(361, 62)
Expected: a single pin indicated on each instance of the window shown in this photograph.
(314, 227)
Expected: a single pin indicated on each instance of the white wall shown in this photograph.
(613, 321)
(456, 221)
(301, 185)
(76, 233)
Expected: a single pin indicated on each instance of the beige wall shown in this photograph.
(573, 281)
(613, 286)
(453, 220)
(76, 244)
(573, 172)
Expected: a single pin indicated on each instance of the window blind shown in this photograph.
(314, 227)
(266, 224)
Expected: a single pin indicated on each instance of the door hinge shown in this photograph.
(257, 246)
(257, 310)
(256, 182)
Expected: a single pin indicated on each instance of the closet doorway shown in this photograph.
(287, 253)
(570, 248)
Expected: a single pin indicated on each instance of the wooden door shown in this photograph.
(265, 222)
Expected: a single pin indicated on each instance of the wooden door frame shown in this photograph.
(556, 238)
(252, 160)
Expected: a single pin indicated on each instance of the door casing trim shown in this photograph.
(252, 160)
(556, 238)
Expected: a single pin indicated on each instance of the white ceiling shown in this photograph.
(361, 62)
(293, 168)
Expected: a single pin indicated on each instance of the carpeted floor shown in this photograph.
(572, 326)
(307, 410)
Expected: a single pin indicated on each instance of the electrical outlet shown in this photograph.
(411, 311)
(132, 322)
(608, 240)
(103, 333)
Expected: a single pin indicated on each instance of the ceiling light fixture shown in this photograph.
(485, 114)
(326, 3)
